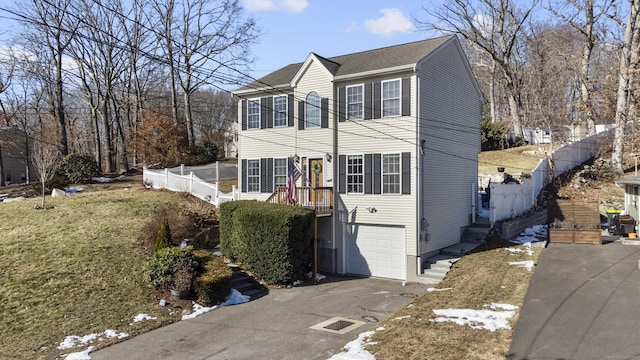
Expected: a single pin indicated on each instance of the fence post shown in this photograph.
(233, 193)
(182, 169)
(191, 182)
(217, 194)
(166, 177)
(217, 171)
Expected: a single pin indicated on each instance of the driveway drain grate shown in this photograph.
(338, 325)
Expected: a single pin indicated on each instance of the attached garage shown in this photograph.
(376, 250)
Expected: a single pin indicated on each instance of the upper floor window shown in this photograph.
(312, 110)
(391, 98)
(280, 172)
(355, 104)
(391, 173)
(253, 114)
(253, 175)
(355, 174)
(280, 110)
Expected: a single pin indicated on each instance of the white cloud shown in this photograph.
(294, 6)
(392, 21)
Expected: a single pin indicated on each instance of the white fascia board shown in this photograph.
(310, 59)
(274, 89)
(385, 71)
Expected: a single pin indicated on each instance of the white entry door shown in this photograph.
(375, 250)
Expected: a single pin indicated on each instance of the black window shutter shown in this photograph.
(377, 174)
(269, 112)
(324, 113)
(406, 96)
(269, 171)
(406, 173)
(342, 171)
(368, 170)
(263, 175)
(368, 109)
(244, 176)
(290, 110)
(342, 104)
(377, 100)
(301, 115)
(263, 113)
(243, 111)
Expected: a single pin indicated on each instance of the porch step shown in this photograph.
(246, 284)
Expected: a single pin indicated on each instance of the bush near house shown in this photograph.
(273, 241)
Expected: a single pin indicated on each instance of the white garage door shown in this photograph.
(375, 250)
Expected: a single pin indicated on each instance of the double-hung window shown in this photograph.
(280, 172)
(312, 110)
(253, 114)
(391, 98)
(355, 174)
(391, 173)
(355, 102)
(280, 110)
(253, 175)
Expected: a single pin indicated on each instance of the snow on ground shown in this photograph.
(436, 289)
(234, 297)
(492, 320)
(527, 264)
(355, 349)
(536, 233)
(142, 317)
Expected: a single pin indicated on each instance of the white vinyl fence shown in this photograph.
(510, 200)
(165, 179)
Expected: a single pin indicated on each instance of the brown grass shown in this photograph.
(76, 269)
(476, 280)
(515, 160)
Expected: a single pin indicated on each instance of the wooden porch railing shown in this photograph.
(318, 199)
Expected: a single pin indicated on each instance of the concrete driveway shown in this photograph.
(276, 326)
(583, 302)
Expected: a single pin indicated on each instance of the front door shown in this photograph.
(316, 175)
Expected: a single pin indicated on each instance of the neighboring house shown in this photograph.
(13, 155)
(631, 186)
(387, 142)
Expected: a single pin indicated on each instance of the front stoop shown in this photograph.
(436, 267)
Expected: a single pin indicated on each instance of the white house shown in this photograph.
(387, 141)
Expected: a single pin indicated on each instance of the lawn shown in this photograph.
(515, 160)
(76, 269)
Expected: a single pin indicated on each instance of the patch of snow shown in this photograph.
(297, 282)
(476, 319)
(102, 179)
(81, 355)
(73, 340)
(234, 297)
(401, 318)
(73, 190)
(499, 306)
(533, 234)
(318, 276)
(355, 349)
(436, 289)
(527, 264)
(142, 317)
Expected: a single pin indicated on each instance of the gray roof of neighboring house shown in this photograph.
(629, 180)
(370, 60)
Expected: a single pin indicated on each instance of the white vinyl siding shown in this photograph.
(391, 98)
(391, 174)
(355, 102)
(355, 174)
(280, 172)
(253, 114)
(280, 111)
(253, 175)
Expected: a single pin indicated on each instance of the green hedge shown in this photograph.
(158, 272)
(273, 241)
(213, 282)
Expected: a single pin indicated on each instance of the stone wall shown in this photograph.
(510, 228)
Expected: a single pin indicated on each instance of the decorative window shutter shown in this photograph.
(377, 100)
(269, 111)
(263, 113)
(368, 173)
(406, 173)
(243, 112)
(269, 177)
(263, 175)
(406, 96)
(368, 109)
(342, 171)
(342, 104)
(324, 113)
(300, 115)
(377, 174)
(244, 176)
(290, 103)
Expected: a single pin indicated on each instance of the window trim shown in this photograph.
(286, 171)
(398, 99)
(398, 174)
(284, 113)
(249, 115)
(258, 176)
(348, 174)
(347, 103)
(307, 111)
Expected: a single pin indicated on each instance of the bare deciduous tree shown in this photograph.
(45, 158)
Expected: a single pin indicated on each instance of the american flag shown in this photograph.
(293, 176)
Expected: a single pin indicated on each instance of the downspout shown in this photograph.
(419, 150)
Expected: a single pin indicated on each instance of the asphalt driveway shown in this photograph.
(583, 302)
(276, 326)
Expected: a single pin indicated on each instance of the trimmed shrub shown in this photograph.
(79, 167)
(213, 282)
(163, 240)
(158, 272)
(273, 241)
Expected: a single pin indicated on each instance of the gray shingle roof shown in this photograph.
(370, 60)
